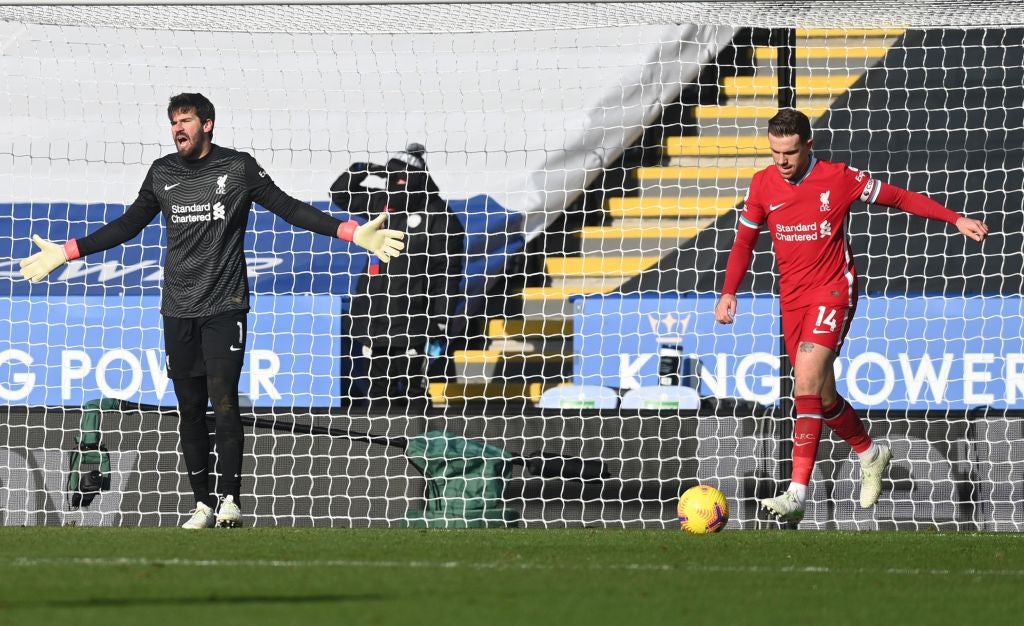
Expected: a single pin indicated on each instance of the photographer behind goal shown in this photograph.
(401, 311)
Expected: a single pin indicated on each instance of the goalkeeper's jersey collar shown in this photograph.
(200, 163)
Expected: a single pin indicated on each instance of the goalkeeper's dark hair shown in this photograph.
(192, 102)
(790, 122)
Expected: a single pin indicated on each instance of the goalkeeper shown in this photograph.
(205, 193)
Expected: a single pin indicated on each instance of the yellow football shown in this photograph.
(702, 510)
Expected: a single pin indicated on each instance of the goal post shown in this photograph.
(604, 349)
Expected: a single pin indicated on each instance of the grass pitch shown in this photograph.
(157, 576)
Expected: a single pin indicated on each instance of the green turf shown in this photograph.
(318, 576)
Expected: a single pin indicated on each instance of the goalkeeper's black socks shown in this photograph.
(228, 436)
(195, 448)
(229, 456)
(195, 436)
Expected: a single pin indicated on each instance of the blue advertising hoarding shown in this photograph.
(65, 350)
(920, 352)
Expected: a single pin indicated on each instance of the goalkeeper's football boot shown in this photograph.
(786, 508)
(202, 517)
(871, 473)
(229, 515)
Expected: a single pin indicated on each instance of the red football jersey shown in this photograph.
(807, 223)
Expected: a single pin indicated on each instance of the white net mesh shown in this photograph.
(402, 17)
(595, 155)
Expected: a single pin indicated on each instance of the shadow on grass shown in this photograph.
(210, 599)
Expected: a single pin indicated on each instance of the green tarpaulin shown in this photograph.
(465, 483)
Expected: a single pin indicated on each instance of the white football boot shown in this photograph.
(871, 473)
(229, 515)
(786, 508)
(202, 517)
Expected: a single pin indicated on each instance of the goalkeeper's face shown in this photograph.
(191, 136)
(790, 154)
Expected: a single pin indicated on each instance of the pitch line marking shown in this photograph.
(656, 567)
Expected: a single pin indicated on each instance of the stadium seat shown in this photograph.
(683, 398)
(579, 397)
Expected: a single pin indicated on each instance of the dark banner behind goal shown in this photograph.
(958, 472)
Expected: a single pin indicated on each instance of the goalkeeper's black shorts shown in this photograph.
(197, 344)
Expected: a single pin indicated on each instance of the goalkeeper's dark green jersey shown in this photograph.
(205, 204)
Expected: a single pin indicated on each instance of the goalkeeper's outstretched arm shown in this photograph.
(384, 243)
(51, 255)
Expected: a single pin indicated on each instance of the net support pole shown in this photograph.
(784, 40)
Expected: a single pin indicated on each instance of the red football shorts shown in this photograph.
(823, 324)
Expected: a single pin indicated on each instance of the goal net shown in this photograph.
(593, 157)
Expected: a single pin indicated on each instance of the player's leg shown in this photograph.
(185, 369)
(813, 337)
(807, 428)
(844, 421)
(223, 344)
(808, 371)
(194, 436)
(874, 457)
(839, 415)
(810, 364)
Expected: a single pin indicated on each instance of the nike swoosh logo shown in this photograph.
(234, 348)
(820, 332)
(805, 443)
(197, 472)
(772, 207)
(169, 187)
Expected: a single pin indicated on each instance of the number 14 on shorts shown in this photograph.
(826, 322)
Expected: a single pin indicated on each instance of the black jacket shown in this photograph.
(411, 299)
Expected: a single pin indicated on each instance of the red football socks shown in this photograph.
(841, 418)
(806, 435)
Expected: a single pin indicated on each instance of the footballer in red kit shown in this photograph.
(803, 203)
(807, 223)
